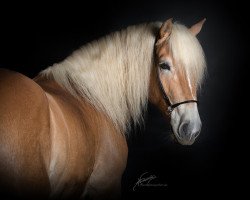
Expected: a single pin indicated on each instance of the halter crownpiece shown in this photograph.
(171, 106)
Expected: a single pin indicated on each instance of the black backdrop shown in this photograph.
(35, 37)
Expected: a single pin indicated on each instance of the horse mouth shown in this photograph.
(176, 139)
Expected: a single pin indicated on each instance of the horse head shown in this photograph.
(177, 74)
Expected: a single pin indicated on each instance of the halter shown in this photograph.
(171, 107)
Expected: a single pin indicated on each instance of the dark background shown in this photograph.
(35, 36)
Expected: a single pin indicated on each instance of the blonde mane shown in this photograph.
(113, 72)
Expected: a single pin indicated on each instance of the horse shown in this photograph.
(64, 133)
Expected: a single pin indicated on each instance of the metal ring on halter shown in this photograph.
(171, 106)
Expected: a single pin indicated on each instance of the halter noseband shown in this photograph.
(171, 107)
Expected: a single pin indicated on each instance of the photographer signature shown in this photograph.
(145, 181)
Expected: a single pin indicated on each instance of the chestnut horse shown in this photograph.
(63, 134)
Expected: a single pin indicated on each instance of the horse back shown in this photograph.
(24, 135)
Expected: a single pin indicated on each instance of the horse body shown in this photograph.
(63, 134)
(67, 155)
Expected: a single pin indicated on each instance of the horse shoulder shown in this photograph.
(110, 163)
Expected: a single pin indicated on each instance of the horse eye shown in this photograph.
(164, 65)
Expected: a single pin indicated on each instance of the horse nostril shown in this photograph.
(183, 130)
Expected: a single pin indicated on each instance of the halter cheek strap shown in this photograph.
(171, 106)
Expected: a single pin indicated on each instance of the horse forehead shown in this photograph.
(163, 51)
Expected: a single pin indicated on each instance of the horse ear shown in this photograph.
(165, 30)
(195, 29)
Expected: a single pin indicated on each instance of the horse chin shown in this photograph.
(185, 142)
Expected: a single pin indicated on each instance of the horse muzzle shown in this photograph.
(188, 132)
(186, 124)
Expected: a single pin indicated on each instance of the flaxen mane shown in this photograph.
(113, 72)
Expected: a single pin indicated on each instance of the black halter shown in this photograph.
(166, 99)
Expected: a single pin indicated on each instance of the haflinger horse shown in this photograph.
(63, 134)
